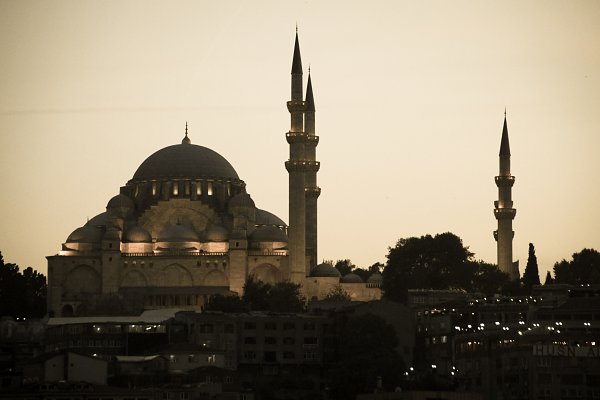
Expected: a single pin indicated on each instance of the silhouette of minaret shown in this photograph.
(296, 167)
(504, 211)
(312, 191)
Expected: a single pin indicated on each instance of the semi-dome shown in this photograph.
(242, 200)
(178, 233)
(185, 160)
(268, 234)
(137, 234)
(351, 278)
(216, 233)
(99, 220)
(325, 270)
(266, 218)
(85, 234)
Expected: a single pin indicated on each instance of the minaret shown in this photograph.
(504, 211)
(296, 166)
(312, 191)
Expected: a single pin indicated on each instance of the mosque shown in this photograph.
(184, 228)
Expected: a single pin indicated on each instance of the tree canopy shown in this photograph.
(22, 294)
(531, 276)
(260, 296)
(437, 262)
(583, 268)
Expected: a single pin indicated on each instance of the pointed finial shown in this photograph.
(186, 139)
(505, 112)
(309, 69)
(296, 27)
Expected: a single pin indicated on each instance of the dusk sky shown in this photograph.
(410, 99)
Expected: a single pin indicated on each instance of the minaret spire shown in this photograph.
(504, 211)
(296, 167)
(311, 190)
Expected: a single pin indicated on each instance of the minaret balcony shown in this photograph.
(312, 191)
(302, 165)
(312, 140)
(296, 137)
(505, 181)
(505, 213)
(296, 106)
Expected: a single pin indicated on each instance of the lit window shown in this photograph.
(153, 188)
(209, 189)
(175, 188)
(198, 188)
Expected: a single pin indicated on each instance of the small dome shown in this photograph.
(178, 233)
(137, 234)
(120, 205)
(351, 278)
(241, 200)
(266, 218)
(85, 234)
(375, 278)
(268, 234)
(325, 270)
(99, 220)
(216, 233)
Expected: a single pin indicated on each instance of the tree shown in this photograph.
(366, 352)
(224, 303)
(549, 279)
(286, 297)
(344, 266)
(255, 294)
(280, 297)
(488, 279)
(531, 276)
(438, 262)
(21, 294)
(584, 268)
(337, 293)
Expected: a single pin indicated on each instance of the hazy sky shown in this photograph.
(410, 97)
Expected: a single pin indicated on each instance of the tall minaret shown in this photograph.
(312, 166)
(296, 167)
(504, 211)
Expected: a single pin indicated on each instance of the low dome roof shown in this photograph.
(184, 160)
(216, 233)
(85, 234)
(99, 220)
(178, 233)
(137, 234)
(266, 218)
(325, 270)
(120, 201)
(268, 234)
(351, 278)
(242, 200)
(376, 277)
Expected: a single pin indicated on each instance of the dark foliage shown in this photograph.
(531, 276)
(549, 279)
(337, 293)
(22, 294)
(261, 296)
(228, 304)
(584, 268)
(488, 279)
(344, 266)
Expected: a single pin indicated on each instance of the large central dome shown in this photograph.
(185, 160)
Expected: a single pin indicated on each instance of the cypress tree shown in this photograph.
(531, 276)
